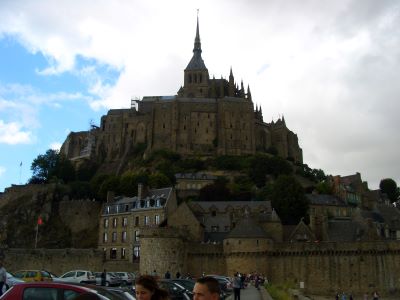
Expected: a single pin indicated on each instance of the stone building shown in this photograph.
(207, 116)
(190, 184)
(123, 218)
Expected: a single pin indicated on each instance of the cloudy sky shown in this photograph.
(329, 67)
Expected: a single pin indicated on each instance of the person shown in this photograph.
(351, 296)
(366, 296)
(167, 275)
(3, 277)
(146, 288)
(344, 297)
(104, 278)
(375, 295)
(206, 288)
(178, 275)
(337, 296)
(236, 286)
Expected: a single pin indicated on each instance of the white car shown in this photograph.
(77, 276)
(10, 281)
(127, 278)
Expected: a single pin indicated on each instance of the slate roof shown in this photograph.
(215, 236)
(344, 231)
(195, 176)
(125, 204)
(322, 199)
(247, 228)
(222, 206)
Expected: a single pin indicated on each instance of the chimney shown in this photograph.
(140, 191)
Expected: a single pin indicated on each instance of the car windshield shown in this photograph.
(189, 285)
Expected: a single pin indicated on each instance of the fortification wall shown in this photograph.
(326, 268)
(205, 258)
(57, 261)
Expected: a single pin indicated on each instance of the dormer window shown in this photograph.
(147, 203)
(107, 209)
(158, 204)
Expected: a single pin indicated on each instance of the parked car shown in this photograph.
(77, 276)
(111, 279)
(48, 291)
(11, 281)
(176, 292)
(33, 275)
(114, 293)
(126, 277)
(224, 282)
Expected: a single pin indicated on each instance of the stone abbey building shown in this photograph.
(208, 116)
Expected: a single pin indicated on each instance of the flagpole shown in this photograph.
(37, 230)
(20, 172)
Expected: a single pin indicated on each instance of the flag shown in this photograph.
(40, 221)
(20, 164)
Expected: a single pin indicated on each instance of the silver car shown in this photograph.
(111, 279)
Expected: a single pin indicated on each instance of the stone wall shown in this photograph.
(57, 261)
(80, 215)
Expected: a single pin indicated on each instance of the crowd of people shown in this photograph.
(367, 296)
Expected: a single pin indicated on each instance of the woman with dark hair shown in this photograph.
(147, 288)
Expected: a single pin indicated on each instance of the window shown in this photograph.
(214, 228)
(113, 253)
(126, 207)
(115, 222)
(136, 221)
(146, 220)
(156, 219)
(104, 253)
(106, 223)
(123, 253)
(123, 236)
(213, 213)
(125, 222)
(136, 252)
(40, 293)
(114, 236)
(107, 210)
(158, 203)
(148, 203)
(136, 238)
(105, 237)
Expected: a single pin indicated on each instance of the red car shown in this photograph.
(46, 291)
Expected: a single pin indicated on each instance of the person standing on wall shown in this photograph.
(3, 277)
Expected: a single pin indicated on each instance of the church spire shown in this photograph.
(197, 63)
(197, 43)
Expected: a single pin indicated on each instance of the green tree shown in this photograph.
(389, 187)
(289, 200)
(51, 165)
(215, 192)
(44, 166)
(159, 180)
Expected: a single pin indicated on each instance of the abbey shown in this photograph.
(208, 116)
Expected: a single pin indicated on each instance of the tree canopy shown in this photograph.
(289, 200)
(389, 187)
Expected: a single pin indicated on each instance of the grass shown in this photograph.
(279, 292)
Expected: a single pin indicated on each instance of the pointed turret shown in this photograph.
(231, 88)
(248, 93)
